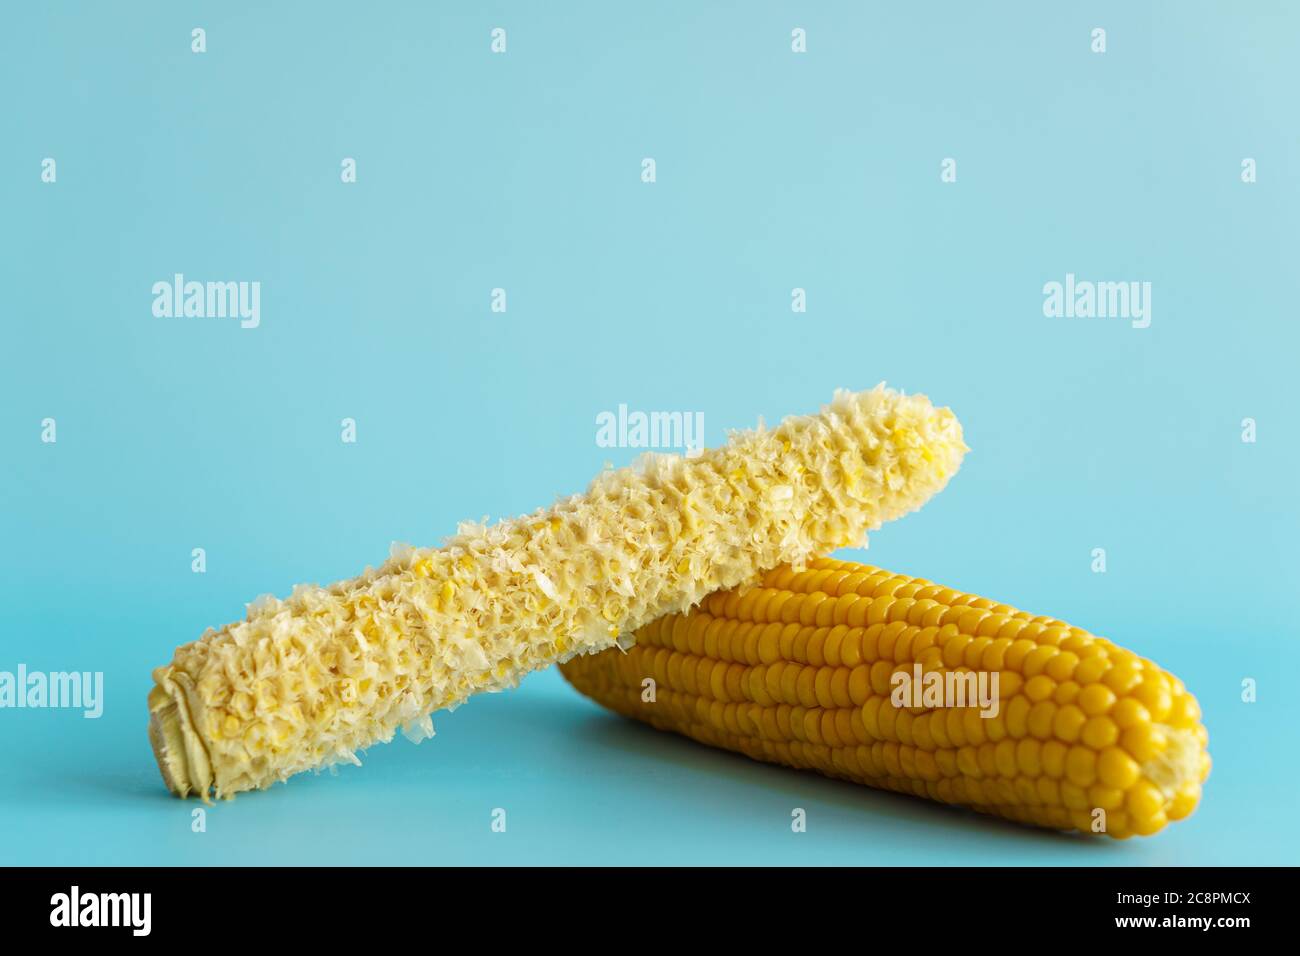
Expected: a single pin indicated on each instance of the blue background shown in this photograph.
(522, 171)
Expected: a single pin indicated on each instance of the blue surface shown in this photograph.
(522, 171)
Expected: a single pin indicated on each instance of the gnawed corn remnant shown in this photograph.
(308, 681)
(800, 671)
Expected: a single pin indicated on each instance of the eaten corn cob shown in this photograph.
(800, 671)
(307, 681)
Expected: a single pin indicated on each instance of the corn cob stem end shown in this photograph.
(182, 758)
(1178, 765)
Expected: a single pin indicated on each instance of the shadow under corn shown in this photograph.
(751, 791)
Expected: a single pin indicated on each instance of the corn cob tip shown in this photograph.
(1177, 766)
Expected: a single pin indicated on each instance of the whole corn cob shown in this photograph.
(307, 681)
(801, 671)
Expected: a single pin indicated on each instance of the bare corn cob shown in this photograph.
(800, 671)
(307, 681)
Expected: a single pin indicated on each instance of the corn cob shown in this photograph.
(800, 671)
(307, 681)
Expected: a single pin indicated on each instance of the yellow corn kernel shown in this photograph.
(1129, 712)
(1144, 741)
(1081, 766)
(1096, 699)
(1099, 733)
(1153, 693)
(1068, 723)
(1040, 687)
